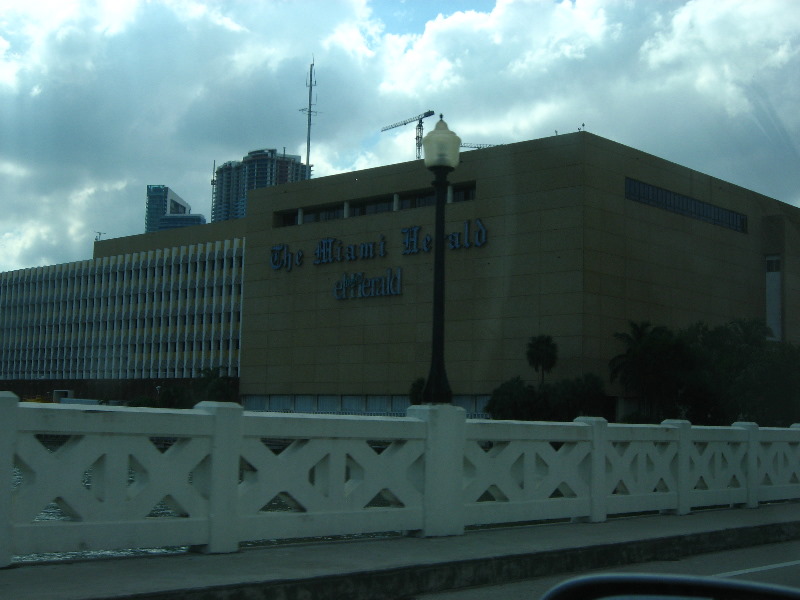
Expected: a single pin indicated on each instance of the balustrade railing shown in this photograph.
(95, 478)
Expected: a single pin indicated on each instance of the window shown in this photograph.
(773, 264)
(684, 205)
(286, 218)
(464, 194)
(330, 213)
(417, 200)
(372, 206)
(774, 296)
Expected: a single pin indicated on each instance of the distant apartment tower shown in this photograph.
(259, 169)
(166, 210)
(162, 201)
(180, 220)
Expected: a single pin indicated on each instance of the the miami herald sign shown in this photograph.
(353, 285)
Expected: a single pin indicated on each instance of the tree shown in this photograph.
(211, 385)
(515, 400)
(710, 375)
(758, 379)
(778, 378)
(563, 401)
(174, 397)
(654, 368)
(542, 354)
(582, 396)
(415, 391)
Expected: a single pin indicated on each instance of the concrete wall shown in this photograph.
(565, 254)
(96, 478)
(648, 264)
(524, 280)
(172, 238)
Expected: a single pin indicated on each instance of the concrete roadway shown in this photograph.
(407, 567)
(776, 564)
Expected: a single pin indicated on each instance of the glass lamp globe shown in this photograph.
(441, 147)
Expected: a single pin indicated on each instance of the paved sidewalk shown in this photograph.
(395, 568)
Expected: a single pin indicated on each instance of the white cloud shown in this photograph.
(113, 16)
(16, 246)
(10, 169)
(251, 56)
(100, 98)
(721, 47)
(192, 10)
(9, 65)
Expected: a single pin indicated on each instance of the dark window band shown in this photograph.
(684, 205)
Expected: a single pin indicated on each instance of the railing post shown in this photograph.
(221, 480)
(9, 405)
(598, 437)
(443, 496)
(683, 432)
(752, 482)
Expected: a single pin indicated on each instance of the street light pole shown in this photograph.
(441, 156)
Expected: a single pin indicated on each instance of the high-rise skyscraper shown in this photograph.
(259, 169)
(162, 201)
(180, 220)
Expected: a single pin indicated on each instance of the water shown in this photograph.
(54, 512)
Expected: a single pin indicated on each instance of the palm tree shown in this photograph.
(542, 355)
(626, 366)
(654, 368)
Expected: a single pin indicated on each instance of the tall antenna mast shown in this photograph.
(310, 84)
(213, 188)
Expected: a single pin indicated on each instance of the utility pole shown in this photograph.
(310, 84)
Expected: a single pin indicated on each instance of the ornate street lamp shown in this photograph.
(441, 147)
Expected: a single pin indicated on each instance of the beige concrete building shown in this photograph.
(572, 236)
(163, 305)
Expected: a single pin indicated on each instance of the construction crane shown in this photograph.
(418, 119)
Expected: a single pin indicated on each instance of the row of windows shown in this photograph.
(121, 298)
(346, 404)
(371, 206)
(17, 317)
(169, 325)
(72, 371)
(173, 308)
(684, 205)
(168, 277)
(152, 348)
(91, 271)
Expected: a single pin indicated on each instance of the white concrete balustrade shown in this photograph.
(93, 478)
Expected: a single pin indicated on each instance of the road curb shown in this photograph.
(409, 581)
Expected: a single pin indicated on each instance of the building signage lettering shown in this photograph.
(358, 285)
(282, 258)
(461, 239)
(331, 250)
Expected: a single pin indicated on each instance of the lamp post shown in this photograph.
(441, 147)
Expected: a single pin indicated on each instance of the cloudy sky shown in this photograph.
(99, 98)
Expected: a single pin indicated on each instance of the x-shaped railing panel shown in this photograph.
(329, 474)
(525, 470)
(640, 467)
(779, 463)
(717, 465)
(94, 479)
